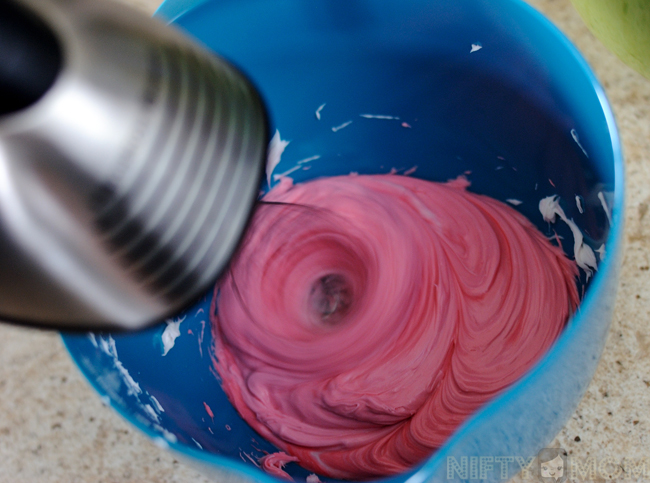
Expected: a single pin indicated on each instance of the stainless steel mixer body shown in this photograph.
(127, 179)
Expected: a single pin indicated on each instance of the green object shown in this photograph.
(623, 26)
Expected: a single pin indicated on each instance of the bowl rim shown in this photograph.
(171, 10)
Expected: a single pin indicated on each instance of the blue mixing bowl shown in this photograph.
(483, 86)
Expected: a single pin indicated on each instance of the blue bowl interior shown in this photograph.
(523, 117)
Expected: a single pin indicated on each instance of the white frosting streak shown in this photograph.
(276, 148)
(549, 207)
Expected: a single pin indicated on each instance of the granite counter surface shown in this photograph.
(54, 429)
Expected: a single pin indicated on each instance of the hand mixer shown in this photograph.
(130, 162)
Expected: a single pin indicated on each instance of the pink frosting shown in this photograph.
(357, 330)
(274, 462)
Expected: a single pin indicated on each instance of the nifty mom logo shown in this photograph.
(551, 465)
(484, 467)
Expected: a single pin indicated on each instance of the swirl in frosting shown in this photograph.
(365, 317)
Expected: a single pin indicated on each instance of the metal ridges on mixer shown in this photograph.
(176, 212)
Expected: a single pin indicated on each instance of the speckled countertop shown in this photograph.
(53, 427)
